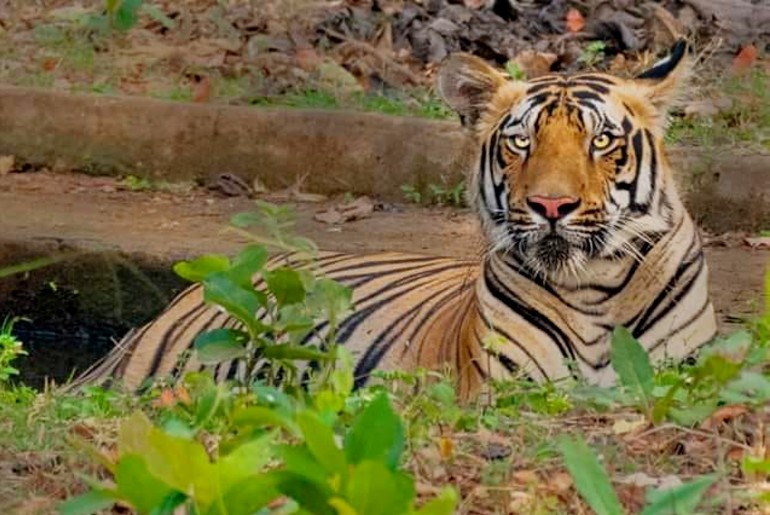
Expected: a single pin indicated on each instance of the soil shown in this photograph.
(89, 213)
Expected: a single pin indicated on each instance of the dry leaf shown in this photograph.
(6, 164)
(745, 58)
(760, 242)
(560, 482)
(360, 208)
(330, 216)
(629, 425)
(202, 90)
(723, 414)
(525, 477)
(474, 4)
(166, 399)
(446, 448)
(183, 395)
(643, 480)
(575, 20)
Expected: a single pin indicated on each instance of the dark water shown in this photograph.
(76, 309)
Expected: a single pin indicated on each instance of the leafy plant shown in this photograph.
(161, 468)
(437, 194)
(10, 349)
(277, 307)
(593, 53)
(515, 71)
(123, 15)
(594, 485)
(411, 193)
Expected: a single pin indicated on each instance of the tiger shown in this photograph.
(583, 231)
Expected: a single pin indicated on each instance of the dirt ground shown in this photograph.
(98, 214)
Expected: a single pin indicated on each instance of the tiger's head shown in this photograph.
(570, 168)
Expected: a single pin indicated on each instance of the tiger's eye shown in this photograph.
(520, 142)
(601, 141)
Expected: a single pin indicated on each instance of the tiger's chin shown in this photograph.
(554, 256)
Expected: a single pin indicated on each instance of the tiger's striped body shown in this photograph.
(584, 228)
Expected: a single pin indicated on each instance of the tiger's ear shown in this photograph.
(661, 83)
(467, 83)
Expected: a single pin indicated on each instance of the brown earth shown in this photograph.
(45, 211)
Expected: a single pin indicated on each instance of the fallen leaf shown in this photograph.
(362, 207)
(629, 425)
(560, 482)
(330, 216)
(474, 4)
(307, 58)
(760, 242)
(745, 58)
(723, 414)
(183, 395)
(525, 477)
(575, 20)
(735, 454)
(202, 90)
(6, 164)
(446, 448)
(166, 399)
(643, 480)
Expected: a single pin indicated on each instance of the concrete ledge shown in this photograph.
(333, 151)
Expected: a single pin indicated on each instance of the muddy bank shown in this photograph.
(128, 240)
(326, 151)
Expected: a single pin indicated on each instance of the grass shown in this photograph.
(745, 122)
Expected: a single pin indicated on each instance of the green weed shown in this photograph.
(592, 54)
(10, 350)
(436, 194)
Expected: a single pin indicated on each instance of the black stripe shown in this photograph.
(496, 288)
(648, 320)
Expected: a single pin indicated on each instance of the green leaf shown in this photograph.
(444, 504)
(133, 435)
(311, 496)
(632, 364)
(373, 489)
(170, 503)
(154, 12)
(88, 503)
(377, 434)
(295, 352)
(260, 416)
(241, 303)
(180, 463)
(138, 486)
(286, 285)
(749, 388)
(246, 461)
(126, 15)
(320, 441)
(250, 261)
(248, 496)
(220, 345)
(302, 462)
(200, 268)
(590, 478)
(206, 405)
(679, 500)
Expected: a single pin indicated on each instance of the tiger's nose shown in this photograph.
(553, 208)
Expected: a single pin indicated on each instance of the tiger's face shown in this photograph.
(570, 167)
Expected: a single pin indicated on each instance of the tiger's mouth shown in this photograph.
(556, 249)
